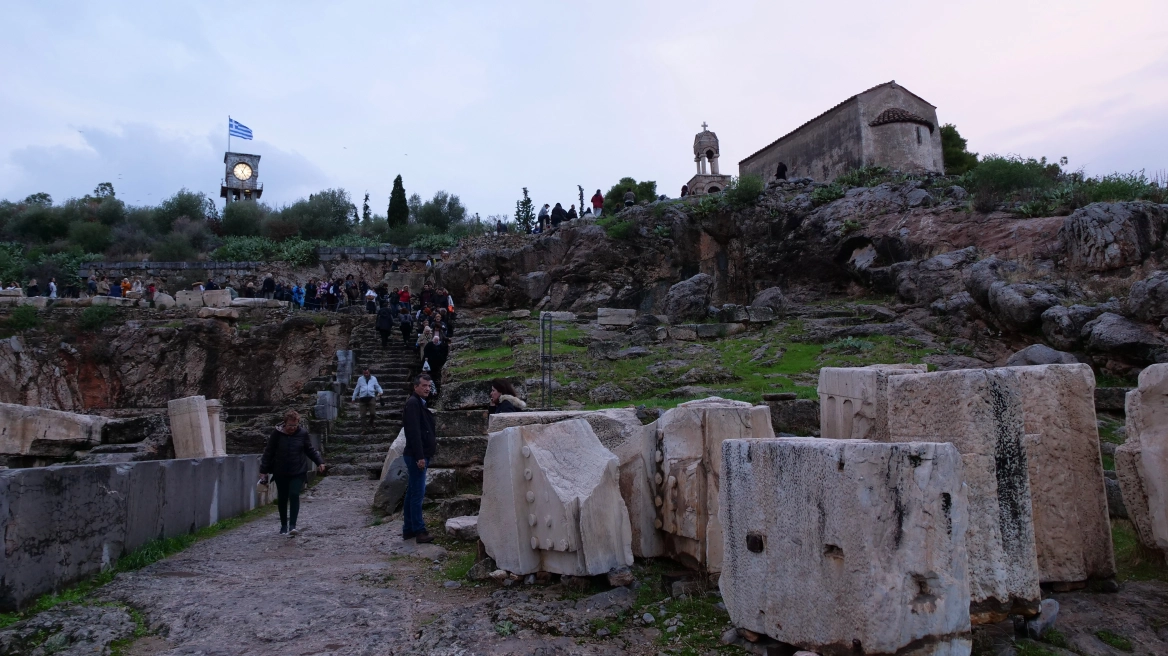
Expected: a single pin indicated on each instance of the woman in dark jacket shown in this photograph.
(558, 215)
(385, 324)
(504, 399)
(283, 461)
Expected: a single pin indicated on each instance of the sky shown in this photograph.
(481, 99)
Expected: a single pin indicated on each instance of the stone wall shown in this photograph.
(822, 148)
(64, 524)
(902, 146)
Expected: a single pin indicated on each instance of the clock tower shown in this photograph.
(241, 181)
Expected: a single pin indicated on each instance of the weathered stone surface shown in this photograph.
(463, 528)
(520, 314)
(63, 524)
(1111, 399)
(1141, 463)
(217, 298)
(794, 416)
(615, 317)
(981, 413)
(218, 425)
(708, 330)
(30, 431)
(455, 423)
(163, 301)
(1063, 326)
(683, 333)
(873, 534)
(440, 482)
(188, 298)
(1105, 236)
(1148, 298)
(1037, 354)
(190, 427)
(608, 393)
(1113, 334)
(218, 313)
(689, 460)
(1069, 500)
(759, 314)
(392, 489)
(854, 401)
(772, 298)
(472, 394)
(689, 298)
(1019, 307)
(463, 451)
(551, 501)
(620, 431)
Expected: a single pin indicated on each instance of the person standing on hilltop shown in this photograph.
(597, 203)
(543, 217)
(421, 445)
(630, 198)
(268, 289)
(572, 213)
(283, 461)
(558, 216)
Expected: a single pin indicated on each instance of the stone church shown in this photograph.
(886, 125)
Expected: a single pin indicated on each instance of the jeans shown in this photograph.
(415, 490)
(288, 489)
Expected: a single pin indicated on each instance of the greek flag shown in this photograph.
(237, 129)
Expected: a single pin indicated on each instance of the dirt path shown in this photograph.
(344, 586)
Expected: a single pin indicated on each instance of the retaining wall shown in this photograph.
(63, 524)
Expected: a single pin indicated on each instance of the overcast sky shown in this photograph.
(483, 98)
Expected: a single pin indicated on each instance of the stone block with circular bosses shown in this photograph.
(552, 502)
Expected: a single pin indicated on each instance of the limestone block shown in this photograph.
(230, 314)
(188, 298)
(344, 367)
(217, 298)
(759, 314)
(558, 316)
(190, 427)
(620, 431)
(854, 401)
(1072, 530)
(164, 301)
(463, 528)
(520, 314)
(835, 543)
(117, 301)
(391, 491)
(39, 302)
(218, 424)
(683, 333)
(615, 317)
(396, 449)
(11, 293)
(326, 405)
(981, 413)
(551, 501)
(688, 462)
(440, 482)
(32, 431)
(1141, 463)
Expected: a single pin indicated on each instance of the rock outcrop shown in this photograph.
(1105, 236)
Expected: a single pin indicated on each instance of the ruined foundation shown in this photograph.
(832, 544)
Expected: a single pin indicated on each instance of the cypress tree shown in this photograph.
(525, 213)
(399, 211)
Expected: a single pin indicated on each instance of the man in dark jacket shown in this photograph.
(283, 461)
(421, 444)
(384, 325)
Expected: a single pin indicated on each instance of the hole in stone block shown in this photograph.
(755, 542)
(947, 509)
(833, 551)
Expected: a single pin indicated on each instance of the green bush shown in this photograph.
(434, 242)
(192, 205)
(867, 176)
(95, 317)
(826, 194)
(243, 219)
(958, 160)
(997, 177)
(614, 200)
(1123, 187)
(743, 191)
(173, 248)
(89, 237)
(22, 318)
(617, 229)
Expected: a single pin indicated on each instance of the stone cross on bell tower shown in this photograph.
(708, 179)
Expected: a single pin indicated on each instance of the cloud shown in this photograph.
(146, 165)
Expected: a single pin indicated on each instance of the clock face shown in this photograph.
(241, 171)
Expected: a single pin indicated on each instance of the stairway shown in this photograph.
(354, 448)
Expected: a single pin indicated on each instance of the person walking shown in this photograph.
(384, 324)
(504, 399)
(407, 326)
(597, 203)
(283, 462)
(32, 288)
(630, 198)
(436, 353)
(365, 393)
(52, 288)
(543, 217)
(421, 445)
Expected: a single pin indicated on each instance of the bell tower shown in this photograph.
(708, 179)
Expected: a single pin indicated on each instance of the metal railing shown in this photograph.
(546, 329)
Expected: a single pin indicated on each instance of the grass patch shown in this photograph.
(1031, 648)
(456, 568)
(119, 647)
(1108, 462)
(1109, 430)
(23, 318)
(1115, 640)
(1055, 637)
(1133, 560)
(149, 553)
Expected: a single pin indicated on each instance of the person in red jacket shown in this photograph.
(597, 203)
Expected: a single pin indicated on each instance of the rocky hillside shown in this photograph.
(1088, 283)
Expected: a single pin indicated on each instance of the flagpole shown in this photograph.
(229, 133)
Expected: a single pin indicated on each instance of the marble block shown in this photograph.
(551, 501)
(853, 401)
(190, 428)
(836, 543)
(1141, 463)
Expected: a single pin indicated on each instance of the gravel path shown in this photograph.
(343, 586)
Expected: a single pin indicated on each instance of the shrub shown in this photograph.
(441, 212)
(996, 177)
(826, 194)
(173, 248)
(434, 242)
(22, 318)
(193, 205)
(867, 176)
(40, 223)
(617, 229)
(849, 345)
(89, 237)
(243, 219)
(1123, 187)
(95, 317)
(743, 191)
(958, 160)
(614, 200)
